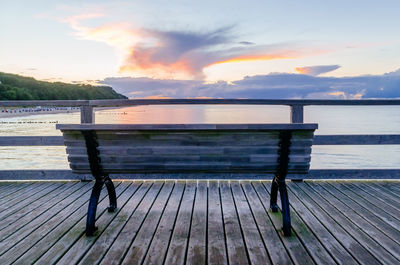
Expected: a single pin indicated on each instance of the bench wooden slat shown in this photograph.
(186, 150)
(106, 159)
(196, 127)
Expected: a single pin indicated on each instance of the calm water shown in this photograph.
(331, 120)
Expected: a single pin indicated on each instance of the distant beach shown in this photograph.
(21, 112)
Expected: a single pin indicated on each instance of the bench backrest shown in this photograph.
(183, 148)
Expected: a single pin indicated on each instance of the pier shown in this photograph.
(339, 216)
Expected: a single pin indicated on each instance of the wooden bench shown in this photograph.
(103, 149)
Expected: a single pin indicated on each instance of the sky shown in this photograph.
(246, 49)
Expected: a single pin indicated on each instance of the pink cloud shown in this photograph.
(178, 54)
(316, 70)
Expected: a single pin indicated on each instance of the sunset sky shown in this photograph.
(203, 43)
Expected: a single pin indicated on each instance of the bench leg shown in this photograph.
(287, 227)
(279, 184)
(91, 215)
(274, 195)
(111, 194)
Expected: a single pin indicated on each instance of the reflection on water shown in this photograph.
(195, 114)
(331, 120)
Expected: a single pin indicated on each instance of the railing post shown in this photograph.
(297, 113)
(87, 114)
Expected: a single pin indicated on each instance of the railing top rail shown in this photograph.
(135, 102)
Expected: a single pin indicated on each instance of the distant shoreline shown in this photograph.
(19, 113)
(24, 114)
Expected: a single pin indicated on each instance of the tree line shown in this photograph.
(16, 87)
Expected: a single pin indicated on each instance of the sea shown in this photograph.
(331, 120)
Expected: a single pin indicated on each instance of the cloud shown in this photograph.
(179, 54)
(316, 70)
(120, 36)
(276, 85)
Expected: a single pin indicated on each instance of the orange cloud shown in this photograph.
(175, 54)
(301, 70)
(248, 58)
(316, 70)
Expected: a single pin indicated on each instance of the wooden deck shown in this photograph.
(190, 222)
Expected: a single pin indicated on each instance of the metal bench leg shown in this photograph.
(91, 215)
(274, 195)
(111, 194)
(287, 227)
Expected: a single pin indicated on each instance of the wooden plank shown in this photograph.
(379, 194)
(14, 188)
(270, 237)
(197, 246)
(236, 248)
(254, 243)
(29, 234)
(357, 243)
(387, 189)
(195, 167)
(336, 250)
(333, 102)
(136, 102)
(5, 186)
(360, 224)
(193, 133)
(181, 127)
(212, 142)
(22, 201)
(185, 150)
(38, 174)
(376, 139)
(12, 224)
(96, 253)
(52, 245)
(313, 174)
(362, 209)
(31, 140)
(216, 247)
(159, 245)
(370, 139)
(303, 247)
(138, 249)
(385, 211)
(17, 198)
(178, 244)
(354, 174)
(248, 158)
(40, 205)
(120, 247)
(194, 136)
(75, 243)
(393, 186)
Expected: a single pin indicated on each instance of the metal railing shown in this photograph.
(296, 116)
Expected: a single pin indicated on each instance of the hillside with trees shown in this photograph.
(16, 87)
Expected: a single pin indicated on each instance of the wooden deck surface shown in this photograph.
(201, 222)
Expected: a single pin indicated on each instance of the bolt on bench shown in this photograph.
(103, 149)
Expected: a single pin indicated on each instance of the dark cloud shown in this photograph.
(277, 85)
(172, 52)
(316, 70)
(246, 43)
(147, 87)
